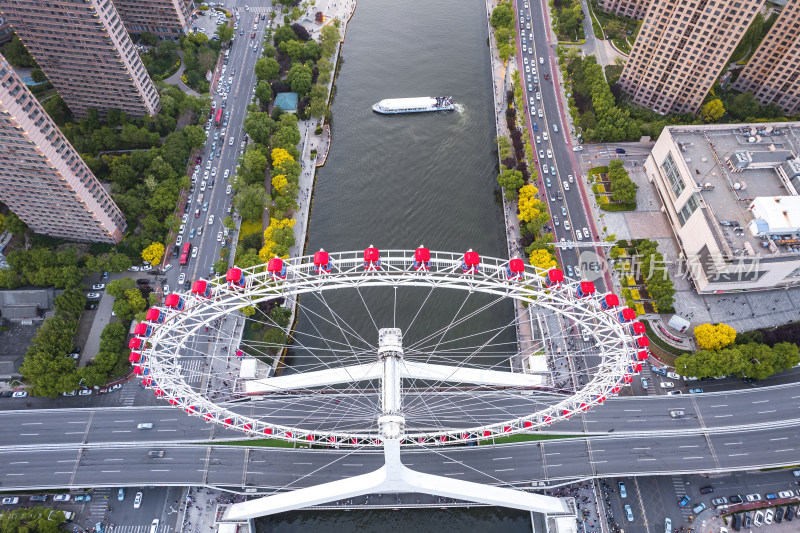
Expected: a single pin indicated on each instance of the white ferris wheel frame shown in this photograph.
(161, 351)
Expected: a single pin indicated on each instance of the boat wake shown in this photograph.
(459, 108)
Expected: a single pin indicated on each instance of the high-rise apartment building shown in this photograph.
(164, 18)
(681, 49)
(42, 178)
(85, 51)
(634, 9)
(773, 73)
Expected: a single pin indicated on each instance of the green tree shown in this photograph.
(743, 106)
(195, 136)
(712, 111)
(510, 181)
(502, 16)
(264, 92)
(229, 223)
(221, 265)
(267, 68)
(117, 287)
(249, 201)
(38, 76)
(13, 224)
(224, 32)
(70, 303)
(16, 54)
(503, 147)
(284, 33)
(259, 126)
(274, 339)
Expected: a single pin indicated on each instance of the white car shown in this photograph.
(93, 295)
(673, 375)
(230, 79)
(213, 172)
(182, 229)
(10, 501)
(205, 175)
(230, 141)
(541, 61)
(544, 135)
(61, 498)
(185, 217)
(550, 156)
(538, 139)
(181, 278)
(566, 185)
(228, 190)
(98, 286)
(208, 165)
(137, 501)
(667, 385)
(577, 148)
(203, 186)
(219, 236)
(226, 174)
(194, 252)
(210, 220)
(179, 240)
(19, 394)
(541, 154)
(566, 225)
(586, 232)
(133, 269)
(85, 392)
(538, 96)
(540, 114)
(530, 100)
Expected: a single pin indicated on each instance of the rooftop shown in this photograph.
(287, 102)
(732, 166)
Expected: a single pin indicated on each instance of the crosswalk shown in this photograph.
(193, 368)
(680, 492)
(128, 393)
(144, 528)
(98, 505)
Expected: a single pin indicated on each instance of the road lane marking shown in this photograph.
(70, 472)
(731, 443)
(760, 401)
(780, 438)
(645, 459)
(597, 462)
(554, 453)
(74, 432)
(352, 464)
(455, 474)
(722, 416)
(76, 422)
(786, 450)
(167, 430)
(168, 420)
(122, 431)
(152, 470)
(113, 459)
(689, 446)
(28, 434)
(505, 470)
(720, 405)
(641, 448)
(110, 471)
(633, 410)
(500, 458)
(123, 421)
(737, 454)
(765, 412)
(32, 423)
(301, 463)
(15, 474)
(67, 460)
(18, 463)
(701, 457)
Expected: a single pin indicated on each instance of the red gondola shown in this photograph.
(174, 301)
(642, 355)
(584, 407)
(515, 269)
(208, 417)
(487, 433)
(137, 369)
(322, 262)
(626, 315)
(201, 288)
(548, 420)
(372, 258)
(471, 264)
(247, 427)
(567, 413)
(134, 357)
(173, 401)
(142, 329)
(235, 278)
(310, 437)
(527, 424)
(147, 381)
(267, 431)
(610, 301)
(422, 259)
(227, 421)
(554, 277)
(585, 289)
(191, 409)
(637, 328)
(154, 315)
(135, 343)
(276, 268)
(239, 353)
(641, 342)
(627, 378)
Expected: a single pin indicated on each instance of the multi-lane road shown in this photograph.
(536, 58)
(717, 432)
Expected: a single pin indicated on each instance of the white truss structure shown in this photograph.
(166, 344)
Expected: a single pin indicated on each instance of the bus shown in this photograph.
(187, 250)
(218, 119)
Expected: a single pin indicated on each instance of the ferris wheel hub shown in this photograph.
(392, 427)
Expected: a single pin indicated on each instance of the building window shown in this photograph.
(670, 170)
(689, 207)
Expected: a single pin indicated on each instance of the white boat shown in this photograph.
(421, 104)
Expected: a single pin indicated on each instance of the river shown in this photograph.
(404, 180)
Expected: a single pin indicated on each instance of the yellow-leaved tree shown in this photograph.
(529, 206)
(280, 156)
(543, 259)
(153, 253)
(714, 336)
(280, 182)
(278, 238)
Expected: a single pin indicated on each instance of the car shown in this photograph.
(796, 473)
(137, 501)
(779, 512)
(228, 190)
(786, 494)
(553, 170)
(145, 425)
(708, 489)
(555, 128)
(19, 394)
(645, 383)
(544, 136)
(541, 154)
(179, 240)
(133, 269)
(667, 526)
(771, 496)
(181, 229)
(210, 220)
(569, 271)
(538, 96)
(620, 151)
(735, 499)
(673, 375)
(722, 500)
(684, 501)
(622, 492)
(747, 520)
(695, 391)
(90, 307)
(545, 169)
(115, 387)
(556, 221)
(541, 60)
(155, 453)
(219, 236)
(208, 165)
(70, 393)
(563, 210)
(196, 214)
(105, 274)
(10, 501)
(628, 513)
(538, 139)
(214, 172)
(182, 278)
(154, 526)
(191, 233)
(98, 286)
(753, 497)
(38, 498)
(566, 224)
(758, 520)
(145, 268)
(666, 385)
(550, 156)
(791, 512)
(85, 392)
(674, 393)
(565, 184)
(699, 508)
(194, 252)
(93, 295)
(577, 148)
(558, 195)
(83, 497)
(658, 370)
(586, 232)
(548, 182)
(203, 186)
(61, 498)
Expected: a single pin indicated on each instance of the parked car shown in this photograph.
(722, 500)
(38, 498)
(83, 497)
(708, 489)
(11, 500)
(61, 498)
(753, 497)
(137, 501)
(628, 513)
(98, 286)
(684, 501)
(93, 295)
(667, 385)
(622, 492)
(695, 391)
(699, 508)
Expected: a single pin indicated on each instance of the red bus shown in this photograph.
(218, 119)
(187, 249)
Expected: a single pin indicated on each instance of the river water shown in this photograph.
(404, 180)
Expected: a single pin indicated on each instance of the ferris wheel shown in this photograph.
(423, 347)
